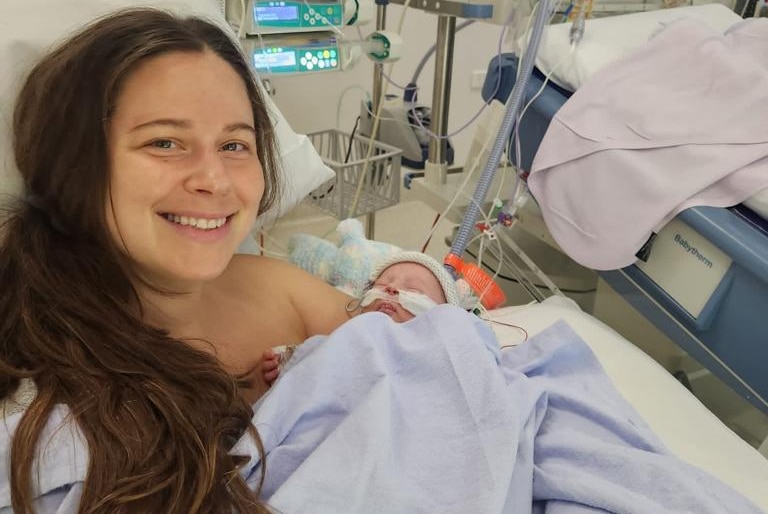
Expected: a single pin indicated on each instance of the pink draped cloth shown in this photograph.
(682, 122)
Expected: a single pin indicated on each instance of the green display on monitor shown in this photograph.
(296, 59)
(277, 14)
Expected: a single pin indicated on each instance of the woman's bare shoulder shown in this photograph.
(282, 280)
(261, 268)
(319, 306)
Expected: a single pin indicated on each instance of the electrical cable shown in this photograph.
(477, 114)
(515, 139)
(483, 107)
(467, 176)
(432, 49)
(521, 279)
(516, 133)
(460, 191)
(389, 79)
(341, 98)
(524, 331)
(518, 180)
(540, 286)
(413, 106)
(510, 117)
(375, 126)
(744, 7)
(241, 32)
(351, 140)
(481, 236)
(282, 254)
(241, 28)
(332, 184)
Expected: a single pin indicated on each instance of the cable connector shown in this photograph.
(505, 219)
(577, 30)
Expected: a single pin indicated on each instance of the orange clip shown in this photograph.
(489, 292)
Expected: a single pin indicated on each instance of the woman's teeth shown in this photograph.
(200, 223)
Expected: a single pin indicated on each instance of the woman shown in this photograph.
(146, 153)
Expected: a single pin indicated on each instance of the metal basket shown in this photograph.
(376, 185)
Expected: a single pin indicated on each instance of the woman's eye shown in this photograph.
(164, 144)
(233, 147)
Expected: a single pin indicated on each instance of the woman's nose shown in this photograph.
(209, 175)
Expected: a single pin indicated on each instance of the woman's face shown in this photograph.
(185, 177)
(405, 276)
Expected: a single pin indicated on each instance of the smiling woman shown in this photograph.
(146, 153)
(184, 129)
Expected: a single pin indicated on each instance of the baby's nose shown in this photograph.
(390, 290)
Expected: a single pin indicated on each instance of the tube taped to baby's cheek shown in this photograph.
(376, 293)
(415, 303)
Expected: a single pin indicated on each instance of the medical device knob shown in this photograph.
(384, 46)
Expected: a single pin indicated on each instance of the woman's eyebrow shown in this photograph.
(234, 127)
(185, 124)
(168, 122)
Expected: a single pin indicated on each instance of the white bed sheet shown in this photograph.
(682, 422)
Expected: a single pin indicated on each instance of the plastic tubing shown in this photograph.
(513, 105)
(410, 89)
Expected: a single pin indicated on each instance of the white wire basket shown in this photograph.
(358, 188)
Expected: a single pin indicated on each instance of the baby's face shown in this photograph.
(405, 276)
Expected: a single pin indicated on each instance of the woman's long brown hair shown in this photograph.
(159, 417)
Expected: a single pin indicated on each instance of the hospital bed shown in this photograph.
(724, 331)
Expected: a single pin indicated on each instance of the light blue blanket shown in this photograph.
(430, 416)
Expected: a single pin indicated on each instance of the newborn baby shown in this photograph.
(402, 287)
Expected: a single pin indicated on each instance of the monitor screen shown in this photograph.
(263, 60)
(266, 13)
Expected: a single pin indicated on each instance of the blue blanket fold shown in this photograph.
(430, 416)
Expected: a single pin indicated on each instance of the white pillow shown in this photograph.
(609, 39)
(30, 27)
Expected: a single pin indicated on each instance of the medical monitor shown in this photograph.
(284, 17)
(283, 55)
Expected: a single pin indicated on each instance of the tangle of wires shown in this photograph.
(318, 196)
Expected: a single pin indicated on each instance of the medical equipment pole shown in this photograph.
(513, 106)
(435, 171)
(378, 67)
(378, 85)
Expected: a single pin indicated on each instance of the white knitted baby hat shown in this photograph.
(438, 270)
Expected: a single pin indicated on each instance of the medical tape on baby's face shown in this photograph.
(376, 293)
(415, 303)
